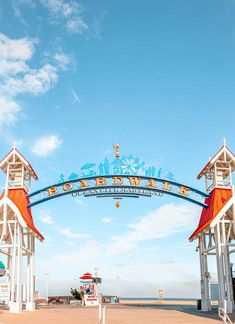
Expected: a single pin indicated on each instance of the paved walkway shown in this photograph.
(115, 314)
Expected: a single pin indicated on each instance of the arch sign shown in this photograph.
(123, 177)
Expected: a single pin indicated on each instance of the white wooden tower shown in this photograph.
(17, 231)
(216, 229)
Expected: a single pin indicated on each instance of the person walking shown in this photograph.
(83, 295)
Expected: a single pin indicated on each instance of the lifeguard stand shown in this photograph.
(89, 284)
(216, 228)
(17, 230)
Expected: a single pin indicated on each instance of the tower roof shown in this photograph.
(19, 198)
(86, 275)
(230, 157)
(218, 199)
(14, 153)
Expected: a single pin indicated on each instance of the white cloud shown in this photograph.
(68, 232)
(8, 67)
(16, 49)
(46, 219)
(46, 145)
(9, 111)
(76, 25)
(68, 12)
(106, 220)
(62, 59)
(17, 77)
(35, 82)
(163, 222)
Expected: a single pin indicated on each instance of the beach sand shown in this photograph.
(127, 312)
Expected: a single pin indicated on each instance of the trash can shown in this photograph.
(199, 304)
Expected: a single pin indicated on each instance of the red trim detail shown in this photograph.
(19, 198)
(86, 275)
(219, 197)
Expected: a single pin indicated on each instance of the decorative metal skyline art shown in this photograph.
(125, 165)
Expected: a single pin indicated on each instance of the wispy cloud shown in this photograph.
(68, 232)
(163, 222)
(17, 10)
(91, 249)
(18, 78)
(63, 60)
(106, 220)
(69, 13)
(9, 111)
(69, 243)
(76, 98)
(79, 201)
(45, 217)
(46, 145)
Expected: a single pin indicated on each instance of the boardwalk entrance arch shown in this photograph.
(118, 187)
(215, 232)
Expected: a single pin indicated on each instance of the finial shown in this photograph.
(118, 204)
(224, 141)
(116, 147)
(14, 144)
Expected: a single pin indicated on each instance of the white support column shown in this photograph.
(227, 272)
(19, 272)
(16, 300)
(205, 294)
(220, 266)
(13, 272)
(9, 274)
(31, 304)
(29, 251)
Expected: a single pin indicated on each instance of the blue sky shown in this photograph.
(157, 77)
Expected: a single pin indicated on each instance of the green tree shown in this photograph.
(76, 293)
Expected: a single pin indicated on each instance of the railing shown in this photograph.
(101, 314)
(223, 314)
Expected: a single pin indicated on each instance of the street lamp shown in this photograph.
(118, 282)
(47, 274)
(96, 283)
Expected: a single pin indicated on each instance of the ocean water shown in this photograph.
(144, 298)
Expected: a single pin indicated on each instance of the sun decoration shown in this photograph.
(130, 165)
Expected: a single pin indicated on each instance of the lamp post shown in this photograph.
(96, 283)
(118, 282)
(47, 274)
